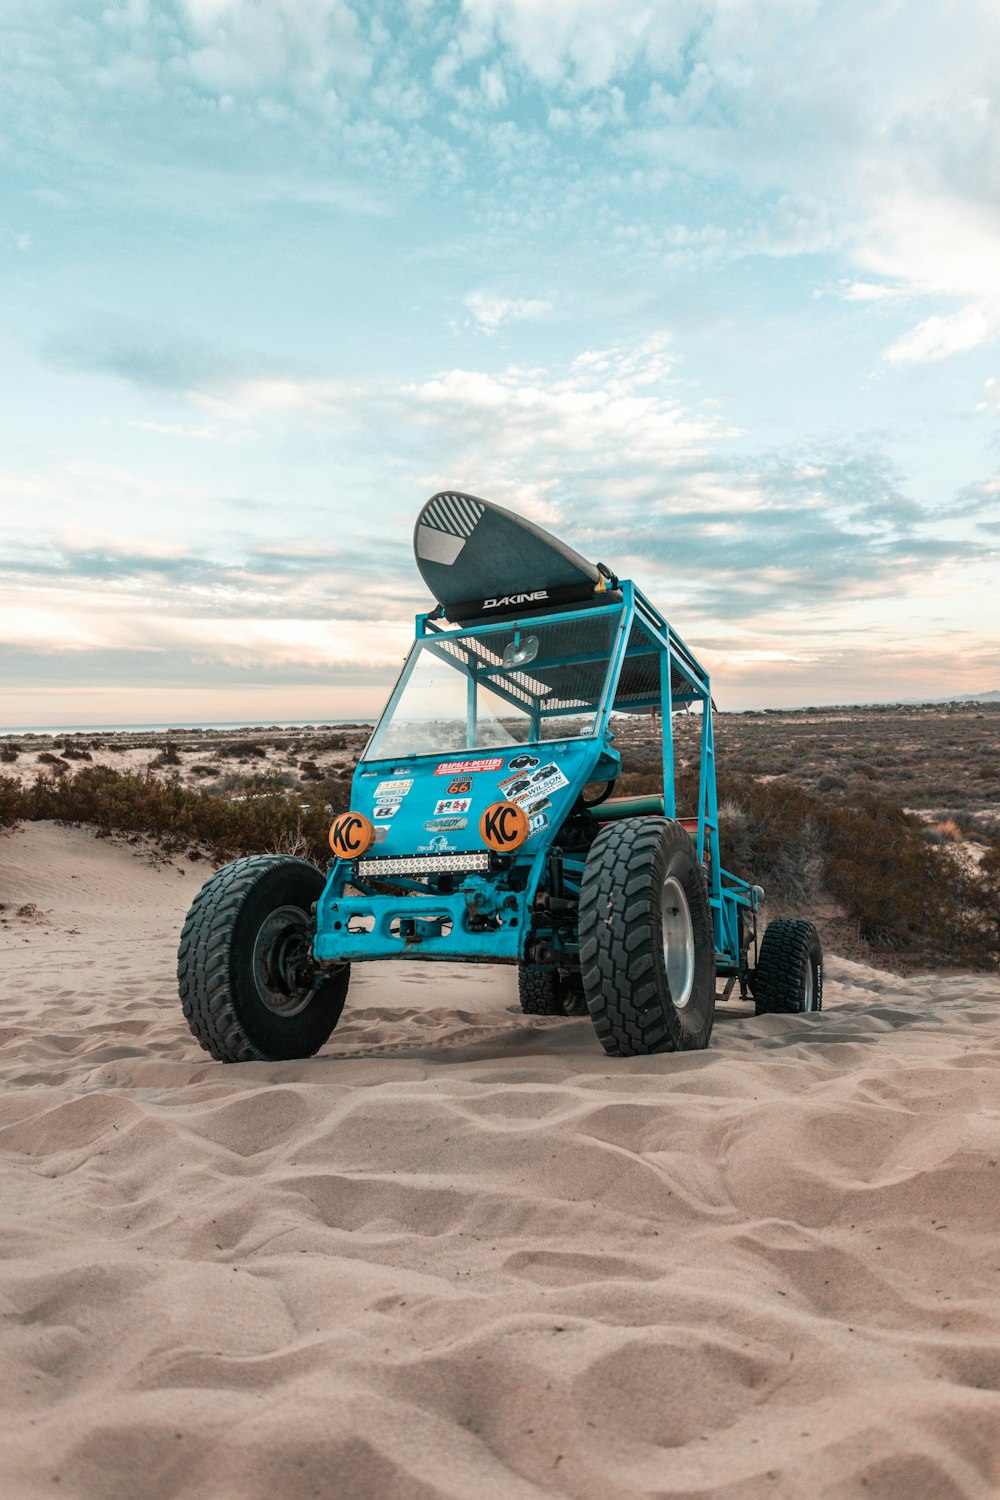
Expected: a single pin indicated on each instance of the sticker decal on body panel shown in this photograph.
(529, 789)
(445, 825)
(438, 845)
(392, 791)
(467, 767)
(386, 809)
(451, 805)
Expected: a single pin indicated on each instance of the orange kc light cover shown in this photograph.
(503, 826)
(351, 835)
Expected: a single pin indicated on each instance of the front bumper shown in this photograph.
(352, 929)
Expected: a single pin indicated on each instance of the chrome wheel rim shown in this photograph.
(278, 953)
(809, 988)
(678, 941)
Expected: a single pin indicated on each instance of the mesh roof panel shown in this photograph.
(568, 669)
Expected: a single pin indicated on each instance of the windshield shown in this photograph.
(499, 685)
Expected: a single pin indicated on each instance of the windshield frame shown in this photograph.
(430, 633)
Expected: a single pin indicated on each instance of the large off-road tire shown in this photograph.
(544, 991)
(244, 970)
(789, 976)
(647, 947)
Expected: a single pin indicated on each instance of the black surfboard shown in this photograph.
(479, 560)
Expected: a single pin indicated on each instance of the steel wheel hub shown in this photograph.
(678, 941)
(281, 962)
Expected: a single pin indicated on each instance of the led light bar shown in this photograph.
(423, 864)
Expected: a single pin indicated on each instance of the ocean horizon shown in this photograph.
(174, 726)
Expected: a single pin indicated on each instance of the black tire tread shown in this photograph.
(785, 952)
(617, 919)
(538, 990)
(204, 957)
(544, 991)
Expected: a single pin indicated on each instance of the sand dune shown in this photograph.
(462, 1253)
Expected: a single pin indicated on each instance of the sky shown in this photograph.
(709, 288)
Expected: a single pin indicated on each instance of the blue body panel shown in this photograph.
(418, 786)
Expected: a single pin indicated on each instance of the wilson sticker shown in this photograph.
(534, 785)
(451, 805)
(467, 767)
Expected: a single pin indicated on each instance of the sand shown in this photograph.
(462, 1253)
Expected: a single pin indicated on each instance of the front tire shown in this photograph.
(248, 987)
(647, 947)
(789, 976)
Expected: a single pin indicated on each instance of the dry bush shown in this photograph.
(59, 766)
(9, 753)
(906, 891)
(242, 750)
(10, 801)
(178, 817)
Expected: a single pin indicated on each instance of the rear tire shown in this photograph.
(647, 947)
(545, 992)
(789, 969)
(247, 984)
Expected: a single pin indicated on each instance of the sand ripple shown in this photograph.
(463, 1254)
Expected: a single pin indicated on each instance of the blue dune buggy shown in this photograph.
(483, 828)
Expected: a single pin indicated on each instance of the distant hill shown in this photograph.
(993, 696)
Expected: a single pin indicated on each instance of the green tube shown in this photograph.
(629, 807)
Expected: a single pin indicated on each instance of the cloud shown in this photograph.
(490, 311)
(583, 42)
(939, 337)
(991, 397)
(614, 449)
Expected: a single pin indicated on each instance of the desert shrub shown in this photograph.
(330, 742)
(168, 756)
(178, 817)
(201, 769)
(904, 895)
(59, 766)
(9, 753)
(71, 752)
(310, 771)
(242, 750)
(11, 801)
